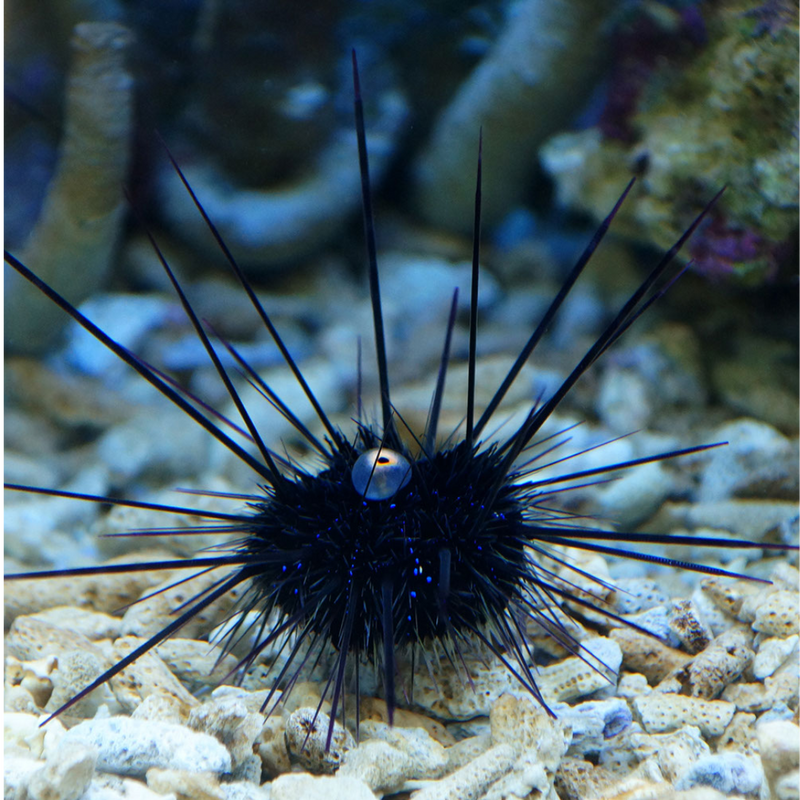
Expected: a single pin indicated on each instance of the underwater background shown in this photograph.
(254, 100)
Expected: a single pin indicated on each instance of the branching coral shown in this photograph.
(533, 81)
(73, 240)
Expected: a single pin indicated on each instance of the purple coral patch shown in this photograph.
(639, 48)
(718, 249)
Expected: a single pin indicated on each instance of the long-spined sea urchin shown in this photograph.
(388, 548)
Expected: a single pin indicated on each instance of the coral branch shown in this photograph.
(73, 240)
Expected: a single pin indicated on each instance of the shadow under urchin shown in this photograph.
(446, 548)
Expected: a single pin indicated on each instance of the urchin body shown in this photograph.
(448, 561)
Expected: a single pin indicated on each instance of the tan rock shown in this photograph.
(719, 665)
(185, 785)
(160, 707)
(103, 593)
(18, 699)
(666, 712)
(149, 616)
(25, 732)
(740, 735)
(647, 655)
(229, 721)
(520, 722)
(778, 615)
(467, 750)
(450, 696)
(382, 767)
(579, 780)
(197, 663)
(427, 758)
(270, 744)
(91, 624)
(67, 773)
(375, 708)
(74, 670)
(473, 779)
(32, 677)
(780, 756)
(307, 737)
(579, 676)
(685, 622)
(147, 675)
(318, 787)
(772, 654)
(30, 638)
(673, 752)
(727, 595)
(780, 687)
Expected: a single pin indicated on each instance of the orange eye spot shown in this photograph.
(380, 473)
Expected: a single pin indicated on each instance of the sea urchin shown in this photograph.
(441, 546)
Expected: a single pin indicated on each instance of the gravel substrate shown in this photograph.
(707, 709)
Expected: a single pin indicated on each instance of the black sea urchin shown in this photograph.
(444, 545)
